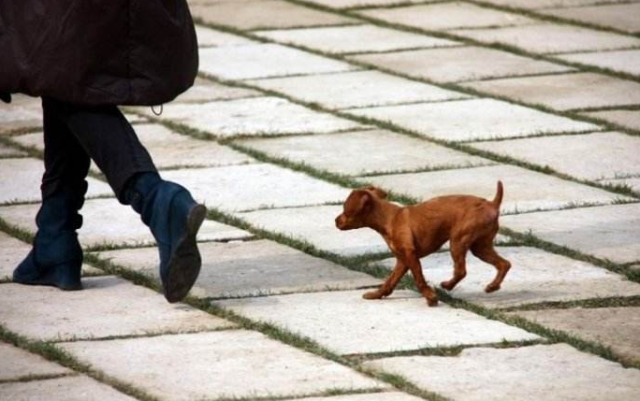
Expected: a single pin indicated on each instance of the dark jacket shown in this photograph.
(122, 52)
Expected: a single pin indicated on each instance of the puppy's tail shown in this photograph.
(498, 198)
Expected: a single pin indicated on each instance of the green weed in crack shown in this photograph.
(592, 303)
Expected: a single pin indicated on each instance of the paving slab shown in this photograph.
(7, 151)
(443, 65)
(551, 38)
(262, 116)
(357, 89)
(552, 372)
(253, 268)
(449, 15)
(525, 190)
(208, 37)
(316, 225)
(607, 232)
(247, 15)
(22, 112)
(536, 276)
(265, 61)
(354, 39)
(364, 152)
(565, 91)
(24, 364)
(256, 186)
(48, 314)
(216, 365)
(541, 4)
(626, 118)
(627, 61)
(205, 90)
(601, 155)
(20, 181)
(77, 388)
(622, 17)
(107, 222)
(459, 120)
(348, 324)
(366, 397)
(617, 328)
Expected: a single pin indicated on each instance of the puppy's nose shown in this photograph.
(339, 221)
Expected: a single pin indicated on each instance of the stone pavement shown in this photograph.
(297, 103)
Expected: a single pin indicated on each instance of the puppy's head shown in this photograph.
(357, 207)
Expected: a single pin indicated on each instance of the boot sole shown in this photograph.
(184, 265)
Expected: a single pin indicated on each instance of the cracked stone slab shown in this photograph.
(256, 186)
(363, 152)
(22, 112)
(262, 116)
(357, 89)
(606, 232)
(107, 222)
(565, 91)
(76, 388)
(536, 276)
(366, 397)
(461, 120)
(443, 65)
(551, 38)
(622, 60)
(24, 364)
(348, 324)
(444, 16)
(215, 365)
(265, 61)
(107, 306)
(208, 37)
(627, 118)
(354, 39)
(623, 17)
(541, 4)
(7, 151)
(601, 155)
(253, 268)
(316, 225)
(20, 181)
(552, 372)
(617, 328)
(525, 190)
(250, 15)
(205, 90)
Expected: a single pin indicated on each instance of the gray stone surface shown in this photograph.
(238, 269)
(7, 151)
(449, 15)
(262, 116)
(460, 120)
(19, 364)
(216, 365)
(565, 92)
(264, 14)
(108, 306)
(607, 232)
(443, 65)
(551, 38)
(366, 397)
(256, 186)
(525, 190)
(208, 37)
(348, 324)
(107, 222)
(626, 118)
(265, 61)
(536, 276)
(364, 152)
(621, 60)
(77, 388)
(20, 181)
(617, 328)
(361, 3)
(590, 157)
(622, 17)
(551, 372)
(354, 39)
(357, 89)
(205, 90)
(23, 111)
(316, 225)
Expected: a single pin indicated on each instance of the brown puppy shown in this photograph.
(413, 232)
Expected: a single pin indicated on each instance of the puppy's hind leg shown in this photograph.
(484, 250)
(459, 249)
(390, 284)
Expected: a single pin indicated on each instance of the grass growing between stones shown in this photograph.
(592, 303)
(31, 378)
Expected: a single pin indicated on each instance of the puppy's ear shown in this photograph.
(377, 192)
(357, 202)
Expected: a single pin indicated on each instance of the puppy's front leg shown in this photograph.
(414, 264)
(390, 284)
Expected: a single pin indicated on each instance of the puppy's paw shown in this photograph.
(372, 295)
(432, 301)
(447, 285)
(491, 288)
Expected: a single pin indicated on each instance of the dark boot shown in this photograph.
(174, 219)
(56, 256)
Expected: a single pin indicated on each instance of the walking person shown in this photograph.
(85, 58)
